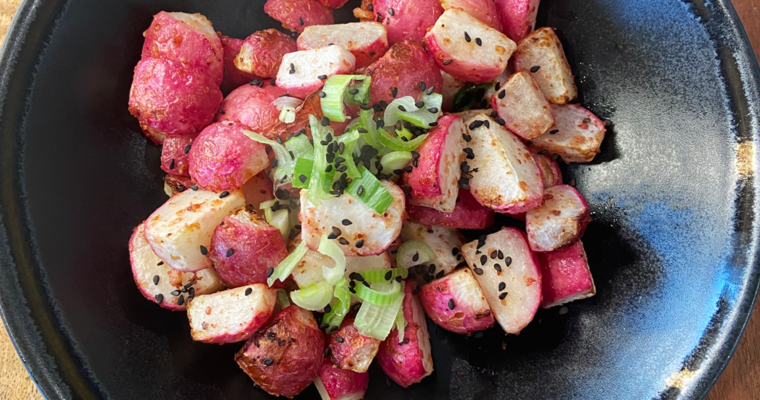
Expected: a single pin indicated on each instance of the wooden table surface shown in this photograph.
(740, 381)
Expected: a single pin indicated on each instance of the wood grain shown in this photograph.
(740, 381)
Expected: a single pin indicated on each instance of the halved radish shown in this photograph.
(335, 383)
(565, 276)
(351, 350)
(467, 214)
(509, 275)
(576, 135)
(300, 71)
(456, 303)
(467, 48)
(444, 242)
(232, 315)
(559, 221)
(523, 107)
(550, 172)
(367, 41)
(541, 53)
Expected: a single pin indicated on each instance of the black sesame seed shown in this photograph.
(365, 283)
(466, 137)
(181, 300)
(451, 304)
(439, 275)
(432, 110)
(542, 152)
(487, 124)
(535, 68)
(159, 298)
(494, 254)
(292, 68)
(269, 361)
(478, 41)
(408, 168)
(300, 20)
(326, 121)
(398, 279)
(353, 91)
(383, 104)
(391, 12)
(388, 275)
(194, 187)
(224, 194)
(503, 296)
(360, 190)
(455, 251)
(248, 291)
(434, 123)
(431, 268)
(431, 89)
(419, 104)
(322, 77)
(191, 292)
(554, 131)
(415, 162)
(359, 243)
(204, 250)
(416, 257)
(321, 94)
(394, 91)
(501, 121)
(336, 231)
(230, 252)
(402, 108)
(502, 94)
(343, 241)
(398, 171)
(270, 271)
(380, 123)
(447, 62)
(302, 178)
(483, 259)
(339, 160)
(475, 124)
(497, 267)
(478, 271)
(156, 279)
(377, 108)
(171, 164)
(175, 292)
(370, 7)
(508, 261)
(467, 37)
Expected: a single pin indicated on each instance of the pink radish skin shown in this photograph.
(367, 41)
(188, 39)
(559, 221)
(351, 350)
(483, 10)
(434, 180)
(168, 98)
(518, 17)
(456, 303)
(403, 67)
(467, 214)
(335, 383)
(233, 77)
(174, 159)
(252, 106)
(566, 276)
(224, 158)
(410, 19)
(408, 361)
(262, 52)
(296, 15)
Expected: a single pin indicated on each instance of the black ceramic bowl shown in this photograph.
(673, 245)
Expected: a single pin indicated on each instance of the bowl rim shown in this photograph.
(27, 307)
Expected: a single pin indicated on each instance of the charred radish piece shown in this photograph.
(541, 53)
(300, 71)
(467, 214)
(435, 179)
(351, 350)
(565, 276)
(441, 240)
(409, 360)
(518, 17)
(367, 41)
(507, 178)
(232, 315)
(188, 39)
(509, 275)
(169, 288)
(369, 234)
(243, 248)
(262, 52)
(559, 221)
(335, 383)
(180, 231)
(285, 355)
(523, 107)
(456, 303)
(468, 49)
(224, 158)
(296, 15)
(168, 98)
(576, 135)
(406, 69)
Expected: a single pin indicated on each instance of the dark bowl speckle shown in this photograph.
(673, 244)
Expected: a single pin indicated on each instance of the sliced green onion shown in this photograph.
(379, 275)
(362, 92)
(340, 307)
(377, 321)
(332, 250)
(374, 195)
(465, 98)
(313, 297)
(349, 140)
(267, 207)
(396, 144)
(285, 162)
(366, 122)
(414, 252)
(280, 220)
(421, 116)
(320, 181)
(300, 147)
(404, 133)
(400, 324)
(396, 160)
(379, 294)
(282, 298)
(283, 270)
(335, 89)
(303, 167)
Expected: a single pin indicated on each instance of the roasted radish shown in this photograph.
(351, 350)
(406, 69)
(509, 275)
(175, 154)
(483, 10)
(565, 276)
(253, 106)
(296, 15)
(467, 214)
(232, 315)
(559, 221)
(444, 242)
(523, 107)
(541, 53)
(468, 49)
(262, 52)
(456, 303)
(576, 135)
(367, 41)
(335, 383)
(180, 231)
(550, 172)
(300, 71)
(233, 77)
(518, 17)
(404, 19)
